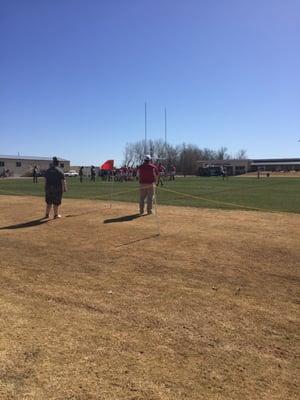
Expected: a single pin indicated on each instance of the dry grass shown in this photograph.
(112, 312)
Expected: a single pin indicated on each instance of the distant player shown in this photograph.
(173, 173)
(161, 173)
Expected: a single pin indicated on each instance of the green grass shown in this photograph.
(273, 194)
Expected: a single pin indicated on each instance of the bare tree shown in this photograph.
(188, 159)
(241, 155)
(134, 153)
(222, 153)
(158, 149)
(129, 154)
(208, 154)
(185, 156)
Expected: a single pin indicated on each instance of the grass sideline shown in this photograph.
(268, 194)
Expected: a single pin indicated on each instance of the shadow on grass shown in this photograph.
(28, 224)
(125, 218)
(139, 240)
(84, 213)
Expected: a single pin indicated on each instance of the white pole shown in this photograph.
(156, 214)
(165, 130)
(111, 191)
(145, 147)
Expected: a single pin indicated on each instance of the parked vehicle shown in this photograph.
(71, 173)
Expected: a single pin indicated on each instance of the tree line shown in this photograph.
(184, 157)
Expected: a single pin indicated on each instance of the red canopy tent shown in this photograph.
(108, 165)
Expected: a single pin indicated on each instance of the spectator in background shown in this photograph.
(81, 174)
(173, 172)
(93, 174)
(55, 185)
(223, 171)
(35, 174)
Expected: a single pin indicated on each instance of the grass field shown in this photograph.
(96, 306)
(275, 194)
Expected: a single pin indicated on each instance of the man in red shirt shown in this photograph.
(147, 178)
(173, 173)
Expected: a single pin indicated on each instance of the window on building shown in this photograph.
(2, 163)
(62, 165)
(18, 164)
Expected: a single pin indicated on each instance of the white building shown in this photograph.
(238, 167)
(23, 165)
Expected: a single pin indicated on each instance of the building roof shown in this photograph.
(265, 161)
(276, 160)
(224, 162)
(33, 158)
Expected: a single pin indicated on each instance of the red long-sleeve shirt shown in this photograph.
(147, 173)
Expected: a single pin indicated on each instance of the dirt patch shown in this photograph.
(97, 306)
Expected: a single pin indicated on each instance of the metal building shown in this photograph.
(23, 165)
(239, 167)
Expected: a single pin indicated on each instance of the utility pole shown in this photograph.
(165, 129)
(145, 144)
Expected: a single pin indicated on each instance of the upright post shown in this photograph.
(165, 129)
(145, 146)
(156, 214)
(111, 189)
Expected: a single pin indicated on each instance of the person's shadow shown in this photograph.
(28, 224)
(125, 218)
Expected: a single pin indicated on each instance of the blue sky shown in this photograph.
(74, 75)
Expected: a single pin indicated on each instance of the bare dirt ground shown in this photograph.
(93, 310)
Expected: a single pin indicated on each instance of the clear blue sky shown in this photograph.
(74, 75)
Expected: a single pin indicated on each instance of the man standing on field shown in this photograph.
(55, 185)
(161, 173)
(173, 173)
(80, 174)
(147, 178)
(35, 174)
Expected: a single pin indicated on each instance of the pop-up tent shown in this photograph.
(108, 165)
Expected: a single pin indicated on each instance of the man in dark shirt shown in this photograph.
(147, 178)
(80, 174)
(93, 174)
(55, 185)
